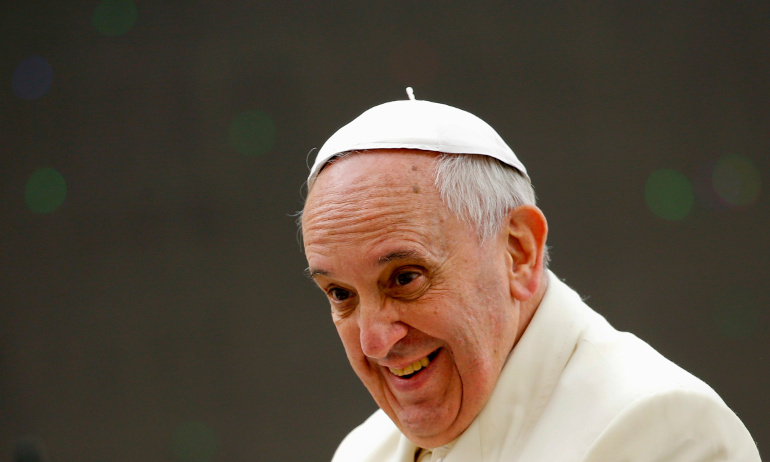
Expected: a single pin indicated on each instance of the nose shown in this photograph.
(380, 328)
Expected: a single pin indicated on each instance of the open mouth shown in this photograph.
(412, 369)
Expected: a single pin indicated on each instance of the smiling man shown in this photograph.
(421, 228)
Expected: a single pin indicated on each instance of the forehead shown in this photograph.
(369, 200)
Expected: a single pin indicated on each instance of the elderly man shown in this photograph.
(420, 226)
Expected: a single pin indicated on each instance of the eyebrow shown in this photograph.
(384, 260)
(399, 255)
(311, 274)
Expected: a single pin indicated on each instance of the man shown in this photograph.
(421, 228)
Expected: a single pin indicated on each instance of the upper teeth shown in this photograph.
(415, 366)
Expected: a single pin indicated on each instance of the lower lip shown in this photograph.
(417, 381)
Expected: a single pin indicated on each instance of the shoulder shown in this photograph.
(617, 365)
(675, 424)
(599, 354)
(629, 365)
(646, 408)
(617, 397)
(372, 440)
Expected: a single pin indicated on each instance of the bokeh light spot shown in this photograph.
(414, 63)
(736, 180)
(45, 191)
(194, 442)
(669, 194)
(736, 312)
(32, 78)
(703, 185)
(114, 17)
(252, 133)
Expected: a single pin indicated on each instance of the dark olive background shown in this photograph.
(161, 313)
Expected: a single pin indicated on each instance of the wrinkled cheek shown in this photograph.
(350, 337)
(371, 377)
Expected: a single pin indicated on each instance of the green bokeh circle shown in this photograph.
(736, 180)
(194, 442)
(114, 17)
(669, 194)
(45, 191)
(252, 133)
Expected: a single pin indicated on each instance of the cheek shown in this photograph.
(351, 340)
(480, 331)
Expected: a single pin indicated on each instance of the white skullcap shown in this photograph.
(417, 124)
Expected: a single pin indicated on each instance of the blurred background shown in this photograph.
(152, 299)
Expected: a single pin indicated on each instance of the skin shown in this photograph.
(406, 279)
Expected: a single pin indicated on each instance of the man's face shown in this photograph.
(424, 310)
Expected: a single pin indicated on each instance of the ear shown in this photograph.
(526, 232)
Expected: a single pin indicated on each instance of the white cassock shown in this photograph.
(576, 389)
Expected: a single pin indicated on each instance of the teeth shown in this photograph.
(414, 367)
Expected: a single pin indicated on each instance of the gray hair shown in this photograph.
(478, 189)
(481, 190)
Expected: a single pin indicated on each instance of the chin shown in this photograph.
(431, 433)
(432, 440)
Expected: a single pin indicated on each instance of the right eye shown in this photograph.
(338, 294)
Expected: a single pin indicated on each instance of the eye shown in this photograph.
(338, 294)
(405, 278)
(408, 283)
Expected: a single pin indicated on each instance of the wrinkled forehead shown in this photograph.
(382, 171)
(373, 190)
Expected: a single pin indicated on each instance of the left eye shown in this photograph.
(405, 278)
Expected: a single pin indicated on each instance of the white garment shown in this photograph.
(434, 455)
(576, 390)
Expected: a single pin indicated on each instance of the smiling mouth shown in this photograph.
(412, 369)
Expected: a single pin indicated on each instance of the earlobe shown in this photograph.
(526, 233)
